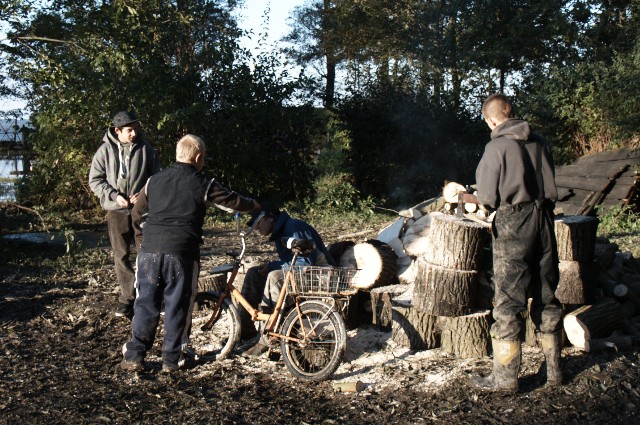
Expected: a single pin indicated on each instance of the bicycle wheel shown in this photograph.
(216, 342)
(324, 340)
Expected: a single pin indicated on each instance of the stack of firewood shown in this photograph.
(444, 296)
(610, 317)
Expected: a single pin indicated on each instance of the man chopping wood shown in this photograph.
(515, 178)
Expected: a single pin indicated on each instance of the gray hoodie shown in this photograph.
(505, 176)
(106, 165)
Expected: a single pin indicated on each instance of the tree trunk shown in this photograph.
(467, 336)
(412, 327)
(576, 237)
(577, 279)
(592, 321)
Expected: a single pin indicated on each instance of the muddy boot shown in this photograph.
(506, 365)
(552, 347)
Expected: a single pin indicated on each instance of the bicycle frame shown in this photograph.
(257, 316)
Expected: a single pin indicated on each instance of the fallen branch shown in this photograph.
(20, 207)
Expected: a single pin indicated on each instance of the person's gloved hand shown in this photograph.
(305, 246)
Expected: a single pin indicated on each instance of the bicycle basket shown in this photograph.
(315, 280)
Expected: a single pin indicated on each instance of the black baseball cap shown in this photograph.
(123, 119)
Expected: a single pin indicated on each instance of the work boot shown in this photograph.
(506, 365)
(552, 348)
(257, 350)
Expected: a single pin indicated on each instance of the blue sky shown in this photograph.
(253, 16)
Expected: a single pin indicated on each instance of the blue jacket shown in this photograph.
(287, 227)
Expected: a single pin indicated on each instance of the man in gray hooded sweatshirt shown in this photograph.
(119, 170)
(515, 177)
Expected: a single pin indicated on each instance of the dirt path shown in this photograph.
(60, 346)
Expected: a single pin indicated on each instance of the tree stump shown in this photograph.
(467, 336)
(444, 292)
(592, 321)
(577, 281)
(448, 273)
(455, 243)
(412, 327)
(381, 304)
(576, 237)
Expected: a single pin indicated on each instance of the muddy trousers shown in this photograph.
(525, 264)
(121, 237)
(174, 279)
(261, 292)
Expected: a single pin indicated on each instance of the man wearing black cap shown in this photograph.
(119, 170)
(262, 284)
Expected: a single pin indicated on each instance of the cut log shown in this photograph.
(576, 236)
(348, 387)
(470, 208)
(212, 282)
(444, 292)
(592, 321)
(376, 264)
(456, 243)
(467, 336)
(412, 327)
(577, 279)
(450, 192)
(381, 298)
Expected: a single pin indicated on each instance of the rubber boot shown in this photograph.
(506, 365)
(552, 347)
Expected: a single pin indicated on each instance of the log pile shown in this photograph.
(610, 318)
(442, 295)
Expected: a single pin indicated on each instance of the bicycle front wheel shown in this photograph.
(322, 339)
(217, 341)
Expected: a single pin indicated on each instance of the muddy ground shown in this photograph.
(61, 345)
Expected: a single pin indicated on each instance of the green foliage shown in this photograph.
(618, 220)
(335, 192)
(180, 68)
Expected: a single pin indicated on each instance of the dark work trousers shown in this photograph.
(174, 279)
(252, 290)
(122, 237)
(525, 264)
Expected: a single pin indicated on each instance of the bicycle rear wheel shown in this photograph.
(216, 342)
(323, 338)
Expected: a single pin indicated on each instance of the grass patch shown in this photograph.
(621, 225)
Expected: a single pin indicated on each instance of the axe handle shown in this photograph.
(468, 198)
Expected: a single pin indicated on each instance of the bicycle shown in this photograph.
(312, 333)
